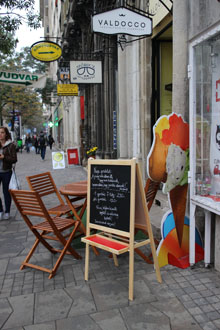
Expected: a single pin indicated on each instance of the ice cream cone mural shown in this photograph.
(168, 162)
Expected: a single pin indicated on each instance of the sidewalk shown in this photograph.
(188, 299)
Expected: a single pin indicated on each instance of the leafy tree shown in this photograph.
(27, 101)
(11, 17)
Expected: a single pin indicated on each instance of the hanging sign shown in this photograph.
(23, 79)
(159, 9)
(67, 89)
(122, 21)
(46, 51)
(86, 72)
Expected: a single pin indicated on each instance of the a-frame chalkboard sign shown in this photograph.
(116, 206)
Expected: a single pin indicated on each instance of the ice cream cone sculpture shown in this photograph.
(168, 162)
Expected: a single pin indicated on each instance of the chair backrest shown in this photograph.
(44, 184)
(151, 189)
(29, 203)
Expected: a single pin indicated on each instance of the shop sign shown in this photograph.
(46, 51)
(64, 75)
(159, 10)
(23, 79)
(67, 89)
(86, 72)
(122, 21)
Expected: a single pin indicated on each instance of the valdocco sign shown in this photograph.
(122, 21)
(86, 72)
(46, 51)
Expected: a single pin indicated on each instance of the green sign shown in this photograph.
(25, 79)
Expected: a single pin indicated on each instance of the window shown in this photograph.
(206, 123)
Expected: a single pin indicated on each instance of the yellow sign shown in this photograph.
(46, 51)
(67, 89)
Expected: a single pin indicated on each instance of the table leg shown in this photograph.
(78, 217)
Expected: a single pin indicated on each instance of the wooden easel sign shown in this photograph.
(116, 205)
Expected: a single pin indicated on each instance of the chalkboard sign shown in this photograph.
(115, 199)
(110, 189)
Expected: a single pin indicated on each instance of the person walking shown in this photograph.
(37, 144)
(8, 156)
(28, 143)
(42, 142)
(50, 141)
(19, 144)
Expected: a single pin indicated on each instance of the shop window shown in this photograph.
(206, 126)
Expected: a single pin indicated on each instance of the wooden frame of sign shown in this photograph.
(116, 206)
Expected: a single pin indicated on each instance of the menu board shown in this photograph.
(110, 190)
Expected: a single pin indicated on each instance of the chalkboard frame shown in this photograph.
(102, 163)
(138, 209)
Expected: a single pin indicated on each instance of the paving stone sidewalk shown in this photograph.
(188, 299)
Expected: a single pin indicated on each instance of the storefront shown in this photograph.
(204, 75)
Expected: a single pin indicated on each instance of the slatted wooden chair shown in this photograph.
(151, 188)
(30, 205)
(44, 184)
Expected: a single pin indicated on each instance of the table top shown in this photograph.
(78, 188)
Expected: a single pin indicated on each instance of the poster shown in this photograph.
(58, 160)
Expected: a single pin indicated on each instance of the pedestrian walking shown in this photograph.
(19, 144)
(42, 141)
(37, 144)
(28, 143)
(50, 141)
(8, 156)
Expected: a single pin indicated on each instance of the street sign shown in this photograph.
(23, 79)
(46, 51)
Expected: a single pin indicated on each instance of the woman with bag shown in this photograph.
(8, 156)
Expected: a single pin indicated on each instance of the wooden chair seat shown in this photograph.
(44, 184)
(63, 230)
(62, 209)
(61, 224)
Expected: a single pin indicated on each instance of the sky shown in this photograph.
(28, 37)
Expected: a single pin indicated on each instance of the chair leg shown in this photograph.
(66, 247)
(142, 255)
(37, 241)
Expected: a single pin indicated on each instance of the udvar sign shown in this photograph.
(122, 21)
(25, 79)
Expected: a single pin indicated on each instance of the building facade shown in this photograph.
(141, 79)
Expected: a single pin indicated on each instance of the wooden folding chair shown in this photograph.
(31, 205)
(150, 189)
(44, 184)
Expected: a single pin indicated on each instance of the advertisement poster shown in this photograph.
(58, 160)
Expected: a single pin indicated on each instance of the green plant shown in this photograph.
(91, 151)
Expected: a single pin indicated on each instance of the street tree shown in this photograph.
(19, 100)
(13, 13)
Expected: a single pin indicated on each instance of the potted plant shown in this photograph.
(91, 152)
